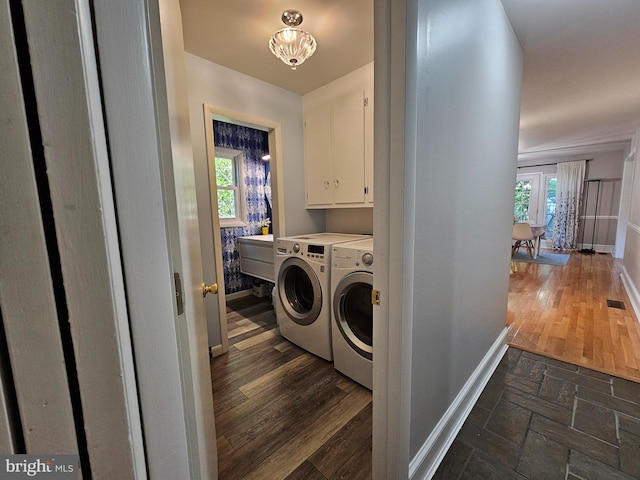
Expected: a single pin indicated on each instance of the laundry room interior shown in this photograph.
(287, 306)
(334, 171)
(284, 176)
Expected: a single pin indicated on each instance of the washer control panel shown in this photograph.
(302, 249)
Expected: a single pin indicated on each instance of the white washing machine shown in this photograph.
(303, 286)
(352, 310)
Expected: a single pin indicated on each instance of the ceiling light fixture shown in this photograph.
(292, 45)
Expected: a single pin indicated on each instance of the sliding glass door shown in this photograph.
(535, 201)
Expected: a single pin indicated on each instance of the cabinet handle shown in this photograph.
(336, 183)
(326, 184)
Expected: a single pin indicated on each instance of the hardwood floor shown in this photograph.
(561, 312)
(282, 413)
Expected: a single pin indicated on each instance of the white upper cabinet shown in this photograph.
(317, 155)
(338, 139)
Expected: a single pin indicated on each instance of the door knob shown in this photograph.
(213, 288)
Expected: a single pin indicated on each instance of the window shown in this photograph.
(523, 199)
(550, 205)
(535, 201)
(229, 187)
(525, 206)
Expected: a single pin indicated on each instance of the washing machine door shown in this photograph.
(353, 311)
(299, 290)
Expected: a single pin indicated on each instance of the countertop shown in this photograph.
(263, 238)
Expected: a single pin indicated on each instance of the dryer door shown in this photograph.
(353, 311)
(299, 290)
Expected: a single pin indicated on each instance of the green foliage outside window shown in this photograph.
(226, 204)
(224, 172)
(523, 197)
(550, 210)
(227, 188)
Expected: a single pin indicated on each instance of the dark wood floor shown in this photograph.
(282, 413)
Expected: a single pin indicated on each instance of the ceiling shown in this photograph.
(235, 34)
(581, 83)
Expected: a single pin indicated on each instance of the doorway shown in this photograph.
(209, 220)
(535, 202)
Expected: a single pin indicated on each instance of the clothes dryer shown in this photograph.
(303, 289)
(352, 310)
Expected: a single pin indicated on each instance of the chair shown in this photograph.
(523, 235)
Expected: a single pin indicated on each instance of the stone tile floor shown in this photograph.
(542, 419)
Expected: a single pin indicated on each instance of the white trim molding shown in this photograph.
(599, 217)
(598, 247)
(240, 294)
(632, 291)
(633, 227)
(424, 465)
(620, 142)
(216, 351)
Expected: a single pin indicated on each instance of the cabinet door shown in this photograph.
(317, 155)
(347, 123)
(368, 146)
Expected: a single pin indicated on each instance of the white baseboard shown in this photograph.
(632, 291)
(240, 294)
(216, 350)
(428, 458)
(600, 248)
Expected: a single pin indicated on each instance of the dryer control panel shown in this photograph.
(343, 257)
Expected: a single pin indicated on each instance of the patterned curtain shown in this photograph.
(568, 198)
(254, 143)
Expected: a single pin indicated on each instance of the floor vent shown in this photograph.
(616, 304)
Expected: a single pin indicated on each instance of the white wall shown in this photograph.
(219, 86)
(212, 84)
(464, 68)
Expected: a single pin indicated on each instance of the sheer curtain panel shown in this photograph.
(568, 198)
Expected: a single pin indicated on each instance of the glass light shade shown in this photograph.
(292, 45)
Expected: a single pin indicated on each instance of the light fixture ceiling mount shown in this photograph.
(291, 44)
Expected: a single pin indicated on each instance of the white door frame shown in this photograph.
(66, 84)
(211, 112)
(625, 204)
(392, 324)
(30, 320)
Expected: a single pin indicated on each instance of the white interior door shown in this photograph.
(208, 216)
(144, 86)
(169, 74)
(212, 266)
